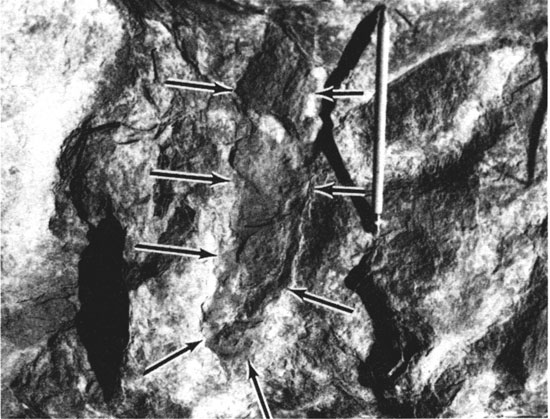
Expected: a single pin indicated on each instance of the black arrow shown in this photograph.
(303, 295)
(188, 347)
(215, 88)
(330, 190)
(253, 375)
(330, 93)
(167, 249)
(212, 179)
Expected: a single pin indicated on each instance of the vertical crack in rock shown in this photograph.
(394, 345)
(103, 320)
(538, 120)
(325, 138)
(512, 359)
(163, 192)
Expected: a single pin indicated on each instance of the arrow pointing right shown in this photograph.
(212, 179)
(188, 347)
(253, 375)
(215, 88)
(167, 249)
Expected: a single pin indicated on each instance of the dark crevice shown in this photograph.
(163, 195)
(163, 191)
(325, 138)
(511, 359)
(402, 16)
(359, 41)
(232, 155)
(524, 85)
(103, 320)
(394, 345)
(540, 113)
(154, 60)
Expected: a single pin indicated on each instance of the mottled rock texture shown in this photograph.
(450, 300)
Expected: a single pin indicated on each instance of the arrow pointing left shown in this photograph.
(330, 190)
(304, 295)
(330, 93)
(215, 88)
(253, 375)
(188, 347)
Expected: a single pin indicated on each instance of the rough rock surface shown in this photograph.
(450, 301)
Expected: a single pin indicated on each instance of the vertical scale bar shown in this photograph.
(381, 98)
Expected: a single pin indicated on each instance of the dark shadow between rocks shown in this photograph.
(103, 320)
(325, 138)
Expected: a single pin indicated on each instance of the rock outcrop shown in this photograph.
(450, 300)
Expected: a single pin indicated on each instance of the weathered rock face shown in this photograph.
(450, 300)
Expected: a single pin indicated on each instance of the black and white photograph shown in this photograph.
(274, 209)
